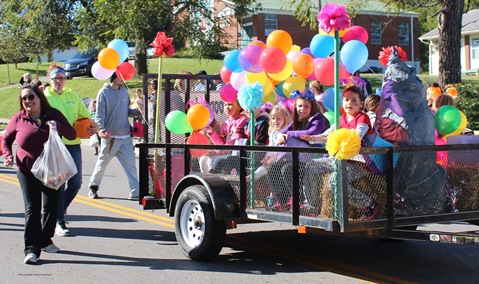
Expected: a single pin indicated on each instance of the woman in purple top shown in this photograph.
(307, 119)
(30, 128)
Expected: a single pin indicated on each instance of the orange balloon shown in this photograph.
(81, 126)
(198, 116)
(258, 43)
(109, 58)
(197, 138)
(303, 65)
(280, 39)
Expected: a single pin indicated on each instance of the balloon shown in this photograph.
(228, 93)
(256, 77)
(356, 33)
(328, 99)
(101, 73)
(324, 71)
(354, 55)
(269, 94)
(292, 55)
(280, 39)
(108, 58)
(225, 74)
(249, 58)
(198, 116)
(177, 123)
(126, 71)
(322, 45)
(307, 51)
(258, 43)
(238, 79)
(329, 116)
(273, 60)
(231, 61)
(270, 97)
(121, 47)
(461, 127)
(279, 90)
(285, 73)
(447, 120)
(197, 138)
(303, 65)
(292, 84)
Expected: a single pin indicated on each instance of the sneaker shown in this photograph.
(51, 248)
(62, 229)
(373, 211)
(31, 258)
(92, 193)
(133, 197)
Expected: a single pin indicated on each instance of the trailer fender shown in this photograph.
(220, 192)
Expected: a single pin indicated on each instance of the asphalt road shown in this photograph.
(117, 242)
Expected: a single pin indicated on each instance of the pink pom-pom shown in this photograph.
(333, 17)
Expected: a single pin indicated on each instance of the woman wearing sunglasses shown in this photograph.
(71, 106)
(30, 128)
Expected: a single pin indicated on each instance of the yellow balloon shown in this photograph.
(285, 73)
(256, 77)
(292, 84)
(268, 88)
(461, 126)
(270, 97)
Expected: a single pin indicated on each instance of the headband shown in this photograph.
(56, 70)
(307, 95)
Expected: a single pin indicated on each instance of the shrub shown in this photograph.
(468, 102)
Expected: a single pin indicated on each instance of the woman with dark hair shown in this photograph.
(30, 128)
(72, 107)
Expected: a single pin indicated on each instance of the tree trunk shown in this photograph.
(141, 65)
(449, 25)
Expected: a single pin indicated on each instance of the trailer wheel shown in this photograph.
(199, 234)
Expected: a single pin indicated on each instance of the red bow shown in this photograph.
(162, 45)
(384, 55)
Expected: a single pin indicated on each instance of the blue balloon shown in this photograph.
(328, 99)
(354, 55)
(232, 62)
(322, 45)
(279, 89)
(121, 47)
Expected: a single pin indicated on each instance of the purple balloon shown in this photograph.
(307, 50)
(249, 58)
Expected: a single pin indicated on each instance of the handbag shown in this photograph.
(55, 165)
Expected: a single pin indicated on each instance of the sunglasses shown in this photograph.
(59, 78)
(29, 97)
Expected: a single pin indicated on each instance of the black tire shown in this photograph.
(199, 234)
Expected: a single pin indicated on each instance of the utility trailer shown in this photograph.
(415, 186)
(410, 186)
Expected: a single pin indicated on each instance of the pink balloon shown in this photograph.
(356, 33)
(228, 93)
(101, 73)
(324, 71)
(273, 60)
(238, 79)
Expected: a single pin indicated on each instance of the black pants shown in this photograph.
(39, 230)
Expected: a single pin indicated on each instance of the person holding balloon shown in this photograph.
(113, 110)
(307, 120)
(72, 107)
(232, 129)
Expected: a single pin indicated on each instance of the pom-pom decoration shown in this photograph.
(343, 144)
(162, 45)
(250, 96)
(333, 17)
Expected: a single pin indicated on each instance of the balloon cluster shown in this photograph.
(112, 59)
(449, 121)
(281, 67)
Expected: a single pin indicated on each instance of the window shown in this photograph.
(270, 24)
(376, 32)
(403, 33)
(475, 48)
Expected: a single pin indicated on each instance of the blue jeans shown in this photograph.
(123, 150)
(39, 228)
(70, 189)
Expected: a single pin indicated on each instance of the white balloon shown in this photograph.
(101, 73)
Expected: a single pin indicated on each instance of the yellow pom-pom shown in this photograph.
(343, 144)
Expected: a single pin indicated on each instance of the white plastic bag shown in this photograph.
(55, 165)
(94, 141)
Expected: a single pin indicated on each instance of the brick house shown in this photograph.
(384, 30)
(469, 45)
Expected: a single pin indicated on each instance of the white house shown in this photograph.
(61, 56)
(469, 45)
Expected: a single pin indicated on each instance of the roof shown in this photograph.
(470, 24)
(370, 7)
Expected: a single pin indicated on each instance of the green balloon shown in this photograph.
(176, 122)
(447, 119)
(330, 117)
